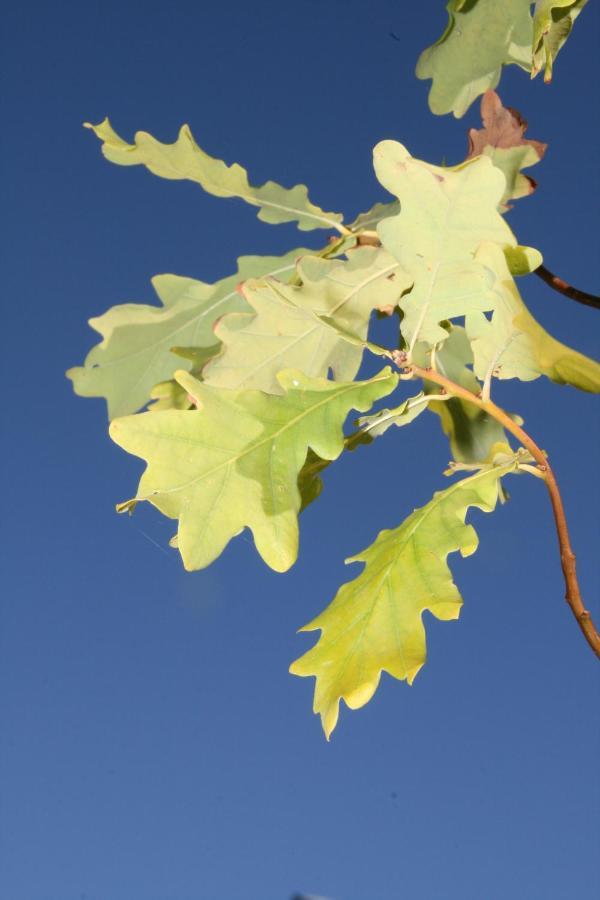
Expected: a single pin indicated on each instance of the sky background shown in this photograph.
(153, 745)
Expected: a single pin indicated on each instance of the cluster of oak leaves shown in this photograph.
(248, 382)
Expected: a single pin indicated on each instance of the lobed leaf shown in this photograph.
(185, 160)
(135, 352)
(235, 461)
(481, 36)
(284, 330)
(374, 623)
(445, 214)
(513, 345)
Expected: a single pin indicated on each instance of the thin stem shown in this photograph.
(567, 557)
(563, 287)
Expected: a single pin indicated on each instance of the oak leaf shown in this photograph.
(374, 624)
(234, 461)
(185, 160)
(135, 352)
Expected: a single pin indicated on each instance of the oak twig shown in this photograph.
(563, 287)
(567, 557)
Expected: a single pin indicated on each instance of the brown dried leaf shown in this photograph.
(504, 127)
(502, 140)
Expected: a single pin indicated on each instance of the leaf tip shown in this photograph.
(127, 506)
(329, 719)
(105, 123)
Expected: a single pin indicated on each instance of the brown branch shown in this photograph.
(563, 287)
(567, 557)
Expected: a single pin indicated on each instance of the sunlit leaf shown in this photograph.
(234, 461)
(284, 330)
(184, 159)
(374, 624)
(135, 352)
(480, 38)
(513, 345)
(445, 214)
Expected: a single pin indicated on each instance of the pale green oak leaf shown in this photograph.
(234, 462)
(480, 38)
(285, 329)
(445, 214)
(379, 422)
(511, 344)
(135, 352)
(185, 160)
(374, 623)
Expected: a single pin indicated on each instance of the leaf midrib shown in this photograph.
(258, 443)
(382, 576)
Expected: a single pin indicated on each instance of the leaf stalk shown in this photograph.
(563, 287)
(567, 556)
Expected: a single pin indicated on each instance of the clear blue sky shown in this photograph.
(153, 746)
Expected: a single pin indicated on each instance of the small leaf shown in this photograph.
(287, 327)
(170, 394)
(137, 340)
(445, 214)
(502, 140)
(374, 624)
(480, 38)
(552, 24)
(369, 220)
(234, 461)
(513, 345)
(522, 260)
(185, 160)
(378, 423)
(310, 484)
